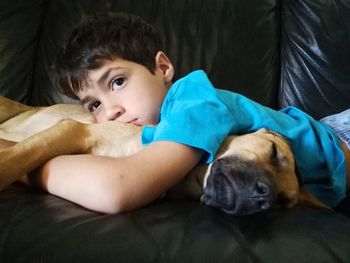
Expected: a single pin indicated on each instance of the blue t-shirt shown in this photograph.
(196, 114)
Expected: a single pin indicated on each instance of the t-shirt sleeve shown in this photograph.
(192, 114)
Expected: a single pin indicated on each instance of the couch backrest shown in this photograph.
(277, 52)
(20, 27)
(235, 41)
(315, 56)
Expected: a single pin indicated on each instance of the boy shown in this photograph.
(115, 65)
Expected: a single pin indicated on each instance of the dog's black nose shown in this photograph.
(262, 193)
(239, 187)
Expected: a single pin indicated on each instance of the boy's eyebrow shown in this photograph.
(85, 100)
(100, 81)
(104, 76)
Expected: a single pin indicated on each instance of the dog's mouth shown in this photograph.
(239, 189)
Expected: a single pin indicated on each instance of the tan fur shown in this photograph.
(347, 162)
(47, 132)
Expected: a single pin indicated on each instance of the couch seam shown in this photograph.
(282, 63)
(39, 34)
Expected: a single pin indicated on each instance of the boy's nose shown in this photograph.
(114, 112)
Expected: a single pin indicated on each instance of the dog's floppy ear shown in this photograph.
(308, 199)
(305, 197)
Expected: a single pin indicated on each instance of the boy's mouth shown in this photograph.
(134, 121)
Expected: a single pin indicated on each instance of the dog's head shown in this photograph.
(252, 173)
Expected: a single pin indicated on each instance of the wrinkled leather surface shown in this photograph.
(20, 23)
(41, 228)
(315, 55)
(276, 52)
(236, 42)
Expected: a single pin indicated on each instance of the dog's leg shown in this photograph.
(10, 108)
(67, 137)
(29, 154)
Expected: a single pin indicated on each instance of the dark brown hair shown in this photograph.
(101, 37)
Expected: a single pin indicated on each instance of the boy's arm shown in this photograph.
(114, 185)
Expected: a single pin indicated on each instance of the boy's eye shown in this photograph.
(117, 83)
(93, 106)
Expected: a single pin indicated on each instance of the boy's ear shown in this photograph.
(163, 63)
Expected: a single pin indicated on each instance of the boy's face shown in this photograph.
(127, 92)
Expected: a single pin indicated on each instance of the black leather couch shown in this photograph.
(278, 52)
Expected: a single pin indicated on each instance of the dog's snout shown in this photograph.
(239, 189)
(262, 188)
(217, 165)
(264, 194)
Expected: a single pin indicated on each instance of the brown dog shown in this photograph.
(251, 173)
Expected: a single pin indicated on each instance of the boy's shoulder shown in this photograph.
(193, 85)
(198, 76)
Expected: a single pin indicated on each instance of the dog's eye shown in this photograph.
(277, 158)
(274, 153)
